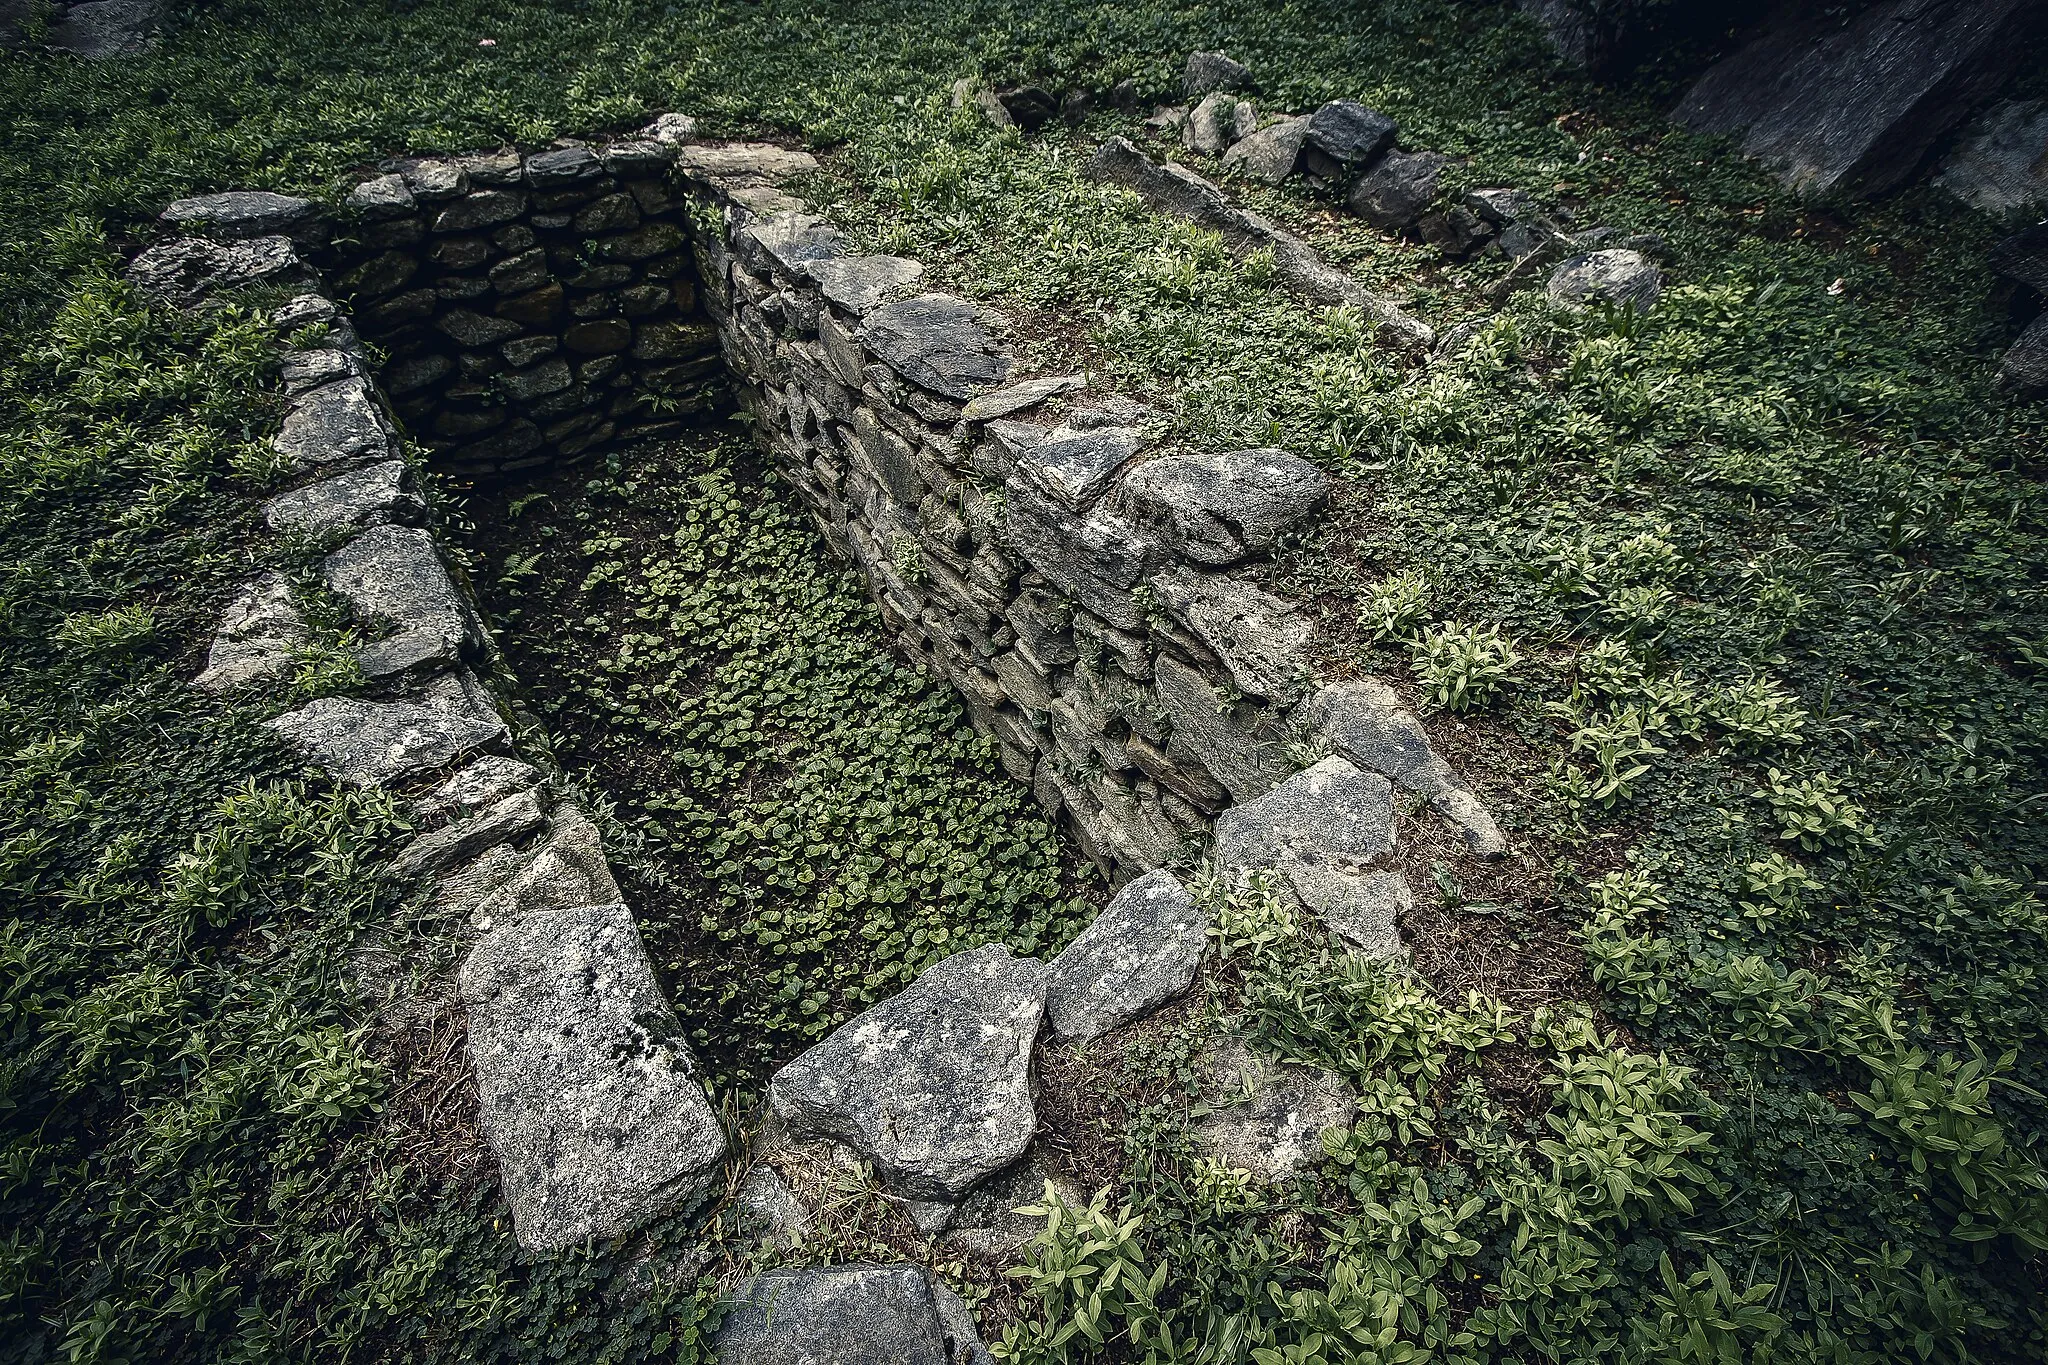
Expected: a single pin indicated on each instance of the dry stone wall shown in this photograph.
(1081, 583)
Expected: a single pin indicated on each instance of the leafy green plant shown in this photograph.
(1813, 812)
(1463, 666)
(1395, 605)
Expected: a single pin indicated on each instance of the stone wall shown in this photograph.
(532, 307)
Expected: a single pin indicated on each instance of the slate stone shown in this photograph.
(1456, 231)
(588, 1093)
(1225, 740)
(480, 209)
(1501, 206)
(1857, 107)
(939, 343)
(789, 241)
(2024, 257)
(739, 164)
(836, 1315)
(1212, 125)
(1344, 137)
(2001, 163)
(303, 370)
(1098, 559)
(1600, 37)
(1070, 466)
(1142, 950)
(1180, 192)
(238, 214)
(1270, 154)
(1362, 911)
(373, 743)
(1260, 640)
(480, 784)
(504, 821)
(1268, 1116)
(393, 574)
(1330, 814)
(568, 869)
(370, 496)
(1218, 507)
(1483, 837)
(1393, 194)
(858, 285)
(1365, 722)
(475, 330)
(334, 423)
(256, 637)
(187, 270)
(637, 158)
(1212, 71)
(1613, 275)
(933, 1084)
(2025, 366)
(100, 29)
(1019, 397)
(562, 168)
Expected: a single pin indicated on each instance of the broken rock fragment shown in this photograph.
(256, 637)
(1141, 951)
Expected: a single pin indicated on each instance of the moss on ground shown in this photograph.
(1772, 733)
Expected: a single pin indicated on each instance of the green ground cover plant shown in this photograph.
(1742, 594)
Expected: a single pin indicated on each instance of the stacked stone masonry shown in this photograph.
(1080, 583)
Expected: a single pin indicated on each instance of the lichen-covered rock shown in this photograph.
(858, 285)
(187, 270)
(1018, 397)
(1394, 193)
(588, 1093)
(567, 870)
(1097, 559)
(255, 638)
(480, 784)
(1615, 275)
(1212, 71)
(841, 1315)
(1224, 739)
(931, 1085)
(394, 574)
(1141, 951)
(1267, 1116)
(372, 743)
(1270, 154)
(370, 496)
(504, 821)
(1218, 507)
(1069, 465)
(237, 214)
(940, 343)
(332, 424)
(736, 165)
(1212, 125)
(1259, 639)
(1365, 722)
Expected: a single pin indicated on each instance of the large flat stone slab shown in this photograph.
(1260, 640)
(333, 424)
(1098, 559)
(370, 496)
(1857, 106)
(1216, 508)
(1141, 951)
(394, 574)
(188, 270)
(1068, 465)
(933, 1084)
(589, 1095)
(845, 1315)
(236, 214)
(373, 743)
(940, 343)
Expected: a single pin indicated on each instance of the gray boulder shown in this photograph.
(1270, 154)
(2001, 165)
(1211, 71)
(738, 165)
(1344, 137)
(670, 129)
(858, 285)
(1071, 466)
(507, 820)
(1141, 951)
(370, 496)
(1216, 508)
(236, 214)
(394, 574)
(1857, 106)
(1260, 639)
(567, 870)
(1613, 275)
(372, 743)
(1329, 814)
(334, 423)
(933, 1084)
(1097, 559)
(1212, 126)
(847, 1315)
(186, 271)
(1394, 194)
(381, 197)
(480, 784)
(1267, 1117)
(1365, 722)
(588, 1094)
(940, 343)
(256, 636)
